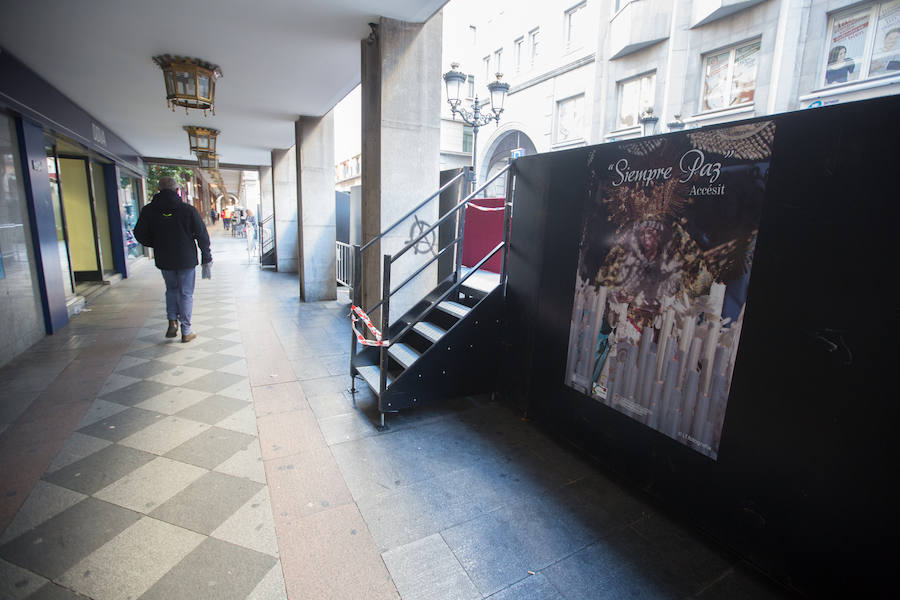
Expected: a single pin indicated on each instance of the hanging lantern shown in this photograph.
(201, 139)
(454, 81)
(498, 90)
(208, 160)
(190, 82)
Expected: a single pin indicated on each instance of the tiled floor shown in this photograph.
(237, 466)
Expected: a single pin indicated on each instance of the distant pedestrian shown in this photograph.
(174, 229)
(251, 224)
(226, 218)
(212, 216)
(242, 223)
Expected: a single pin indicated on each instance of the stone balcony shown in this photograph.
(707, 11)
(640, 23)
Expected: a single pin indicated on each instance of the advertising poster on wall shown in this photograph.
(664, 263)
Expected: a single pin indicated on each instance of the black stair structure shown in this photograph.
(267, 242)
(447, 344)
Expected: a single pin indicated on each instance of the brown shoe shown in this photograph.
(172, 331)
(186, 338)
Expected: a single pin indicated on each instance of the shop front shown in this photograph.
(71, 190)
(130, 204)
(20, 299)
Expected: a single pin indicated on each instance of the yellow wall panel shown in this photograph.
(101, 209)
(77, 204)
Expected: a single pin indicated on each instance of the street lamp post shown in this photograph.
(474, 118)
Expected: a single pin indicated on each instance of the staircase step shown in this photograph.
(454, 308)
(481, 280)
(431, 332)
(403, 354)
(372, 375)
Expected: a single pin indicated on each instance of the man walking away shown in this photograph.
(174, 230)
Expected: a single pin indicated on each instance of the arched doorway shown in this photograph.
(233, 200)
(499, 157)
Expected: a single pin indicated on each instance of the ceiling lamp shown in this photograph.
(208, 160)
(190, 82)
(201, 139)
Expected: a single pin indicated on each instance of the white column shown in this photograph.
(315, 196)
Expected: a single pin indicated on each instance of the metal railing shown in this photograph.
(343, 262)
(267, 234)
(418, 207)
(456, 243)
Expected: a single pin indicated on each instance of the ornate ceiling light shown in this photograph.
(201, 139)
(208, 160)
(190, 82)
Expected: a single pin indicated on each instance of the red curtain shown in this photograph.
(483, 231)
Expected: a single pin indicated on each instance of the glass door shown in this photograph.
(81, 231)
(101, 205)
(130, 207)
(62, 240)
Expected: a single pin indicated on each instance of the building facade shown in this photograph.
(71, 193)
(594, 71)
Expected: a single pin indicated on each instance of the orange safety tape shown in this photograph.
(487, 208)
(378, 341)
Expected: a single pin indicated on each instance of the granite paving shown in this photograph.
(241, 466)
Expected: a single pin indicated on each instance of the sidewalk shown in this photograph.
(237, 466)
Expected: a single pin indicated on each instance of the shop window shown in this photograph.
(20, 301)
(517, 51)
(467, 139)
(729, 77)
(862, 43)
(636, 95)
(573, 18)
(569, 119)
(130, 207)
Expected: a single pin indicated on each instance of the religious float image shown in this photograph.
(664, 263)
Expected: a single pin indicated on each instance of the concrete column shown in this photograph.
(284, 192)
(401, 102)
(787, 56)
(43, 231)
(315, 194)
(266, 199)
(355, 214)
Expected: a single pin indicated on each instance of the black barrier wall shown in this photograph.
(803, 481)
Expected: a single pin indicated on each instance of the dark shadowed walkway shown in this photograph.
(236, 466)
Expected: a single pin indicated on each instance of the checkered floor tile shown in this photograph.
(160, 492)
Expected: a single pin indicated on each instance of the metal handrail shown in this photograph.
(386, 293)
(267, 241)
(450, 212)
(419, 270)
(343, 262)
(447, 293)
(410, 213)
(456, 240)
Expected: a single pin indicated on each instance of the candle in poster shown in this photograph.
(664, 264)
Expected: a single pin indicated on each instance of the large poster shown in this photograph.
(669, 232)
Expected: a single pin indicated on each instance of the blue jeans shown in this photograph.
(180, 296)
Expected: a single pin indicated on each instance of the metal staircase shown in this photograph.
(446, 344)
(267, 242)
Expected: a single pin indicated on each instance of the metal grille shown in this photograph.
(343, 262)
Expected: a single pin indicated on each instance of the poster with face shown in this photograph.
(886, 54)
(846, 48)
(664, 265)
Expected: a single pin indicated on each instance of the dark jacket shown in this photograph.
(174, 230)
